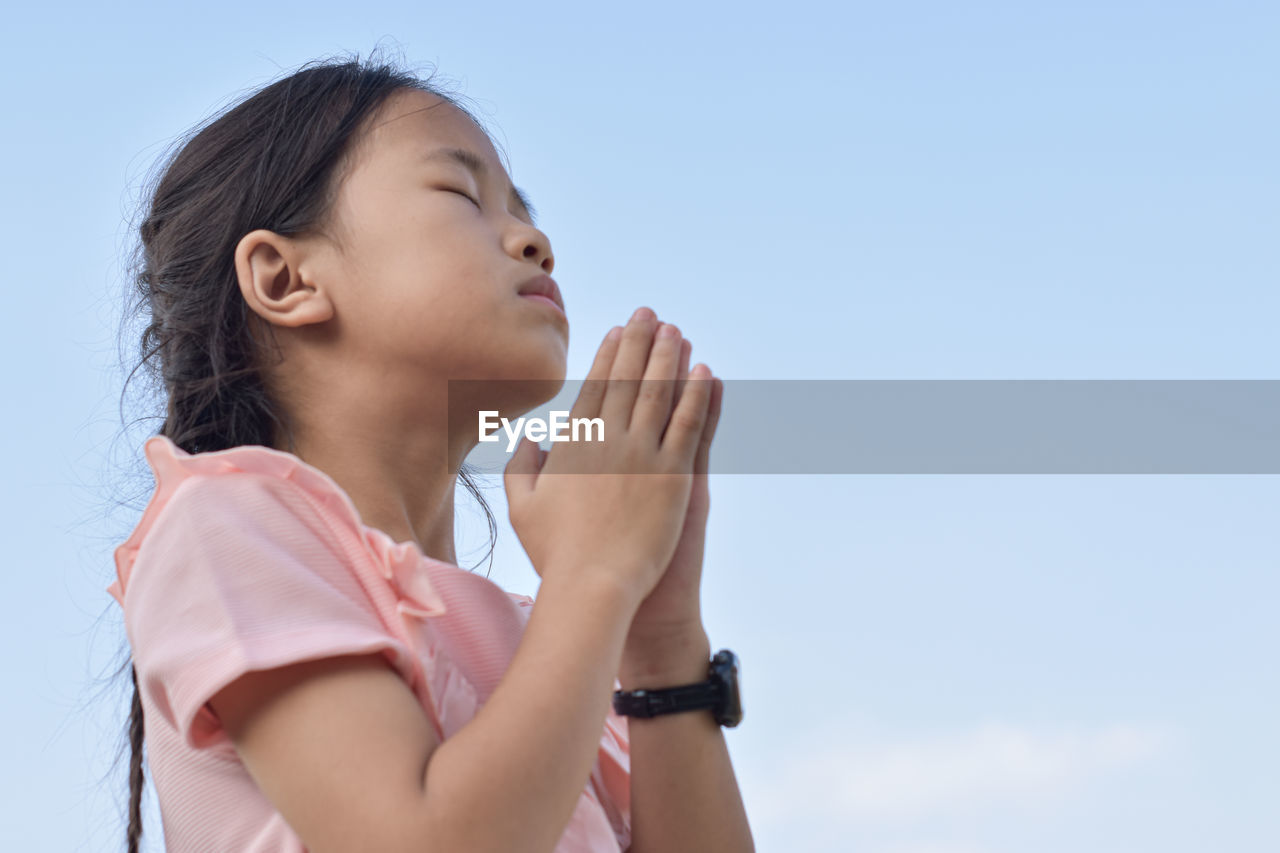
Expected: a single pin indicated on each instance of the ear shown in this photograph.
(274, 284)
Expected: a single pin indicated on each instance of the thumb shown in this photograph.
(522, 470)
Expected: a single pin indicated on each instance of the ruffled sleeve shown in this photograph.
(242, 562)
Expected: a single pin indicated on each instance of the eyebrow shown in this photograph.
(478, 166)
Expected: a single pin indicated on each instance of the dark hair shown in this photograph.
(275, 160)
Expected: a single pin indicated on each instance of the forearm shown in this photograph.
(684, 796)
(510, 779)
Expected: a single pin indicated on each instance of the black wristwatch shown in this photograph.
(721, 692)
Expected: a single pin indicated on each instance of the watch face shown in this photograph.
(729, 668)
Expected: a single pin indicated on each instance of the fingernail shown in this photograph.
(668, 331)
(643, 313)
(613, 334)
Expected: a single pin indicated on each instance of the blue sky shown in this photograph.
(921, 190)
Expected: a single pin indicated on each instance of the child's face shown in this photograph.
(426, 282)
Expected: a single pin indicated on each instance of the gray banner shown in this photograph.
(962, 426)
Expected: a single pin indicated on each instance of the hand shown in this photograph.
(579, 510)
(669, 619)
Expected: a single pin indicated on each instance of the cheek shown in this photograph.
(447, 329)
(510, 341)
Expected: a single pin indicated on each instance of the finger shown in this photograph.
(682, 373)
(654, 400)
(684, 432)
(701, 462)
(628, 367)
(592, 393)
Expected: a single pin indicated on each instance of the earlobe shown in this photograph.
(268, 267)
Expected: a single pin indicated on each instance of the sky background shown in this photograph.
(931, 664)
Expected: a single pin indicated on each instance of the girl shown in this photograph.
(311, 668)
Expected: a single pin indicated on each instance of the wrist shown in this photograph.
(596, 587)
(671, 660)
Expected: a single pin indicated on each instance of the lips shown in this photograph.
(542, 285)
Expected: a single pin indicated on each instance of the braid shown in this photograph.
(136, 780)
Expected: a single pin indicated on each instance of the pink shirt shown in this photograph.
(249, 558)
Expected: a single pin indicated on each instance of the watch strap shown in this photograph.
(668, 700)
(720, 693)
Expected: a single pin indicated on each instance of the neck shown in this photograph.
(400, 477)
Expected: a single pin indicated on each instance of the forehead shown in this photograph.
(413, 122)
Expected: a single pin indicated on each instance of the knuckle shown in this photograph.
(673, 471)
(652, 392)
(687, 421)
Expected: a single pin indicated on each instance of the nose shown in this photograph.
(548, 261)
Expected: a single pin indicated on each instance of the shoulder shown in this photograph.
(239, 492)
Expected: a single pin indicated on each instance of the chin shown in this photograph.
(548, 361)
(522, 381)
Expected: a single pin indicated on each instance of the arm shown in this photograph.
(342, 748)
(509, 780)
(684, 796)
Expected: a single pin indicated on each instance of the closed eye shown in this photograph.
(464, 195)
